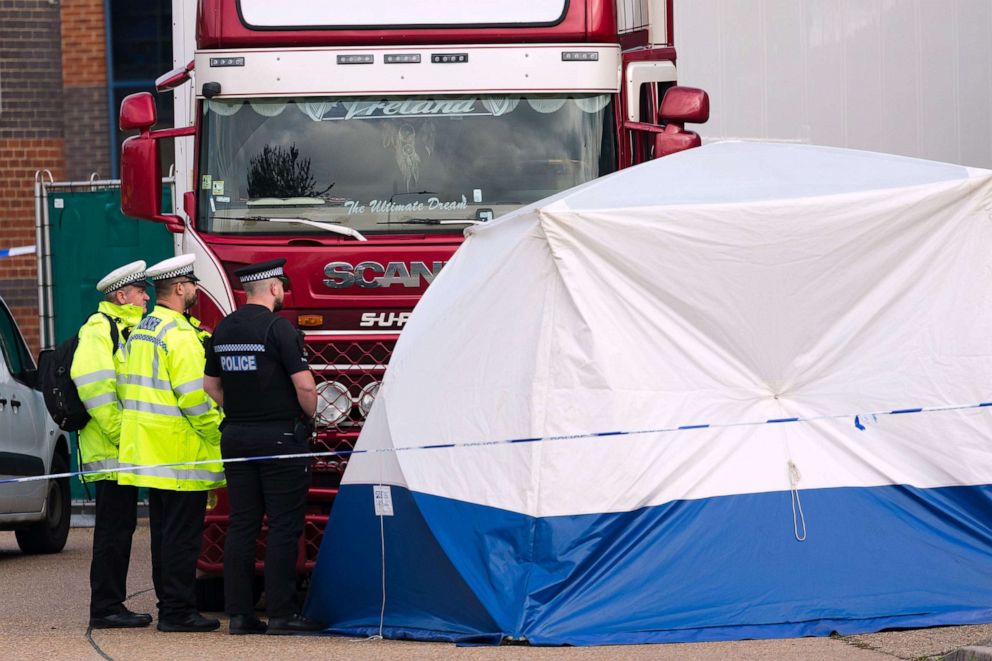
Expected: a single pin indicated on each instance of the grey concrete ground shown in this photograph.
(43, 615)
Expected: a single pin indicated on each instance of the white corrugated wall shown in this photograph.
(909, 77)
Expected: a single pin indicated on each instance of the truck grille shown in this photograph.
(354, 362)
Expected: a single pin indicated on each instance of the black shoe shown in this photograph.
(244, 624)
(295, 624)
(123, 620)
(194, 622)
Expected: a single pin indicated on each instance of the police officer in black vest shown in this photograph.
(257, 371)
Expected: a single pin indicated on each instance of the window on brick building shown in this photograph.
(141, 51)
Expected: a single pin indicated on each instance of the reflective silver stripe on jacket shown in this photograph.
(160, 342)
(189, 386)
(146, 381)
(176, 473)
(100, 400)
(165, 329)
(103, 464)
(93, 377)
(199, 409)
(148, 407)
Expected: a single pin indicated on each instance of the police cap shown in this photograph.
(129, 274)
(174, 267)
(263, 271)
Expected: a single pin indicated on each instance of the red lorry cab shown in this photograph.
(360, 144)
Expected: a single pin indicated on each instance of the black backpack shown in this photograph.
(61, 397)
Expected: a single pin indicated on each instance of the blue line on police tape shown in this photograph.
(334, 453)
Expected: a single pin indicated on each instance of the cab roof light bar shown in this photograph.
(579, 56)
(449, 58)
(401, 58)
(227, 62)
(358, 58)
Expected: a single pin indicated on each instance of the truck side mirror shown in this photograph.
(141, 170)
(680, 105)
(138, 112)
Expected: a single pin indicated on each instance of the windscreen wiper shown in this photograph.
(432, 221)
(336, 229)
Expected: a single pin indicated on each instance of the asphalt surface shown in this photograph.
(43, 615)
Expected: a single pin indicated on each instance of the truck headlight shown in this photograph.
(367, 397)
(333, 403)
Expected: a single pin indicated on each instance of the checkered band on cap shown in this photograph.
(130, 278)
(262, 275)
(175, 273)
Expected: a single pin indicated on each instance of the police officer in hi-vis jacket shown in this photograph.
(95, 368)
(168, 418)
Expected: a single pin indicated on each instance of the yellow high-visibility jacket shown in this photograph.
(95, 367)
(201, 332)
(168, 417)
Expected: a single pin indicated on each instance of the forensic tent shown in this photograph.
(743, 391)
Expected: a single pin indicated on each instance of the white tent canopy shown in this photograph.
(688, 307)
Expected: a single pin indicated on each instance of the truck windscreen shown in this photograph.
(393, 165)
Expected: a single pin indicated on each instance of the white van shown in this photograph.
(30, 444)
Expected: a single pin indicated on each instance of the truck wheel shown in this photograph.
(50, 534)
(210, 594)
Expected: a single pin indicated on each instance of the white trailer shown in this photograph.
(910, 77)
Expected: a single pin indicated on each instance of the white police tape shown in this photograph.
(14, 252)
(860, 420)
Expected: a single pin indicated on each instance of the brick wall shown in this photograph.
(86, 139)
(84, 75)
(53, 115)
(31, 130)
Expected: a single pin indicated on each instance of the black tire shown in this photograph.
(210, 594)
(49, 535)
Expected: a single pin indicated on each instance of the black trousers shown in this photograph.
(116, 517)
(276, 488)
(176, 522)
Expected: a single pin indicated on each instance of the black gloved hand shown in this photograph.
(303, 430)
